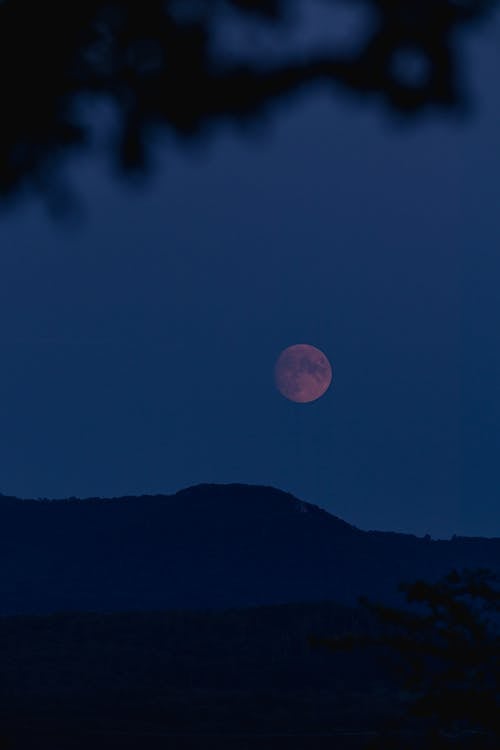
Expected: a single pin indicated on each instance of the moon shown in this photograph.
(302, 373)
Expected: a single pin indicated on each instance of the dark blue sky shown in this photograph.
(138, 347)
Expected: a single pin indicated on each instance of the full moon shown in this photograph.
(302, 373)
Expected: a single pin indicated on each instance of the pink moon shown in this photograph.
(302, 373)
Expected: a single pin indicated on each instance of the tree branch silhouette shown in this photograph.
(448, 650)
(161, 65)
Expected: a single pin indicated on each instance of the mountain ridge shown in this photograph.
(207, 546)
(187, 491)
(197, 491)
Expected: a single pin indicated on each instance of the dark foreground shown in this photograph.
(150, 741)
(187, 680)
(240, 679)
(187, 742)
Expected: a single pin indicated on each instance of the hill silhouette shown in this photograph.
(207, 547)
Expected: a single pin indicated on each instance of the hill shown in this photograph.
(207, 547)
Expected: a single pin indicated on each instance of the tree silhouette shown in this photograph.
(447, 646)
(163, 65)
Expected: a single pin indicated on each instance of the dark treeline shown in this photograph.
(243, 672)
(163, 65)
(256, 673)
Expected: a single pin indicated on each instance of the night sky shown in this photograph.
(138, 342)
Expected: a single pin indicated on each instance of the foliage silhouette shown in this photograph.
(162, 65)
(448, 653)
